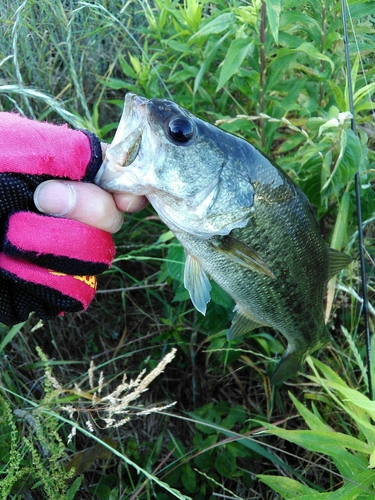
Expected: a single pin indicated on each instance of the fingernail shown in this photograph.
(55, 197)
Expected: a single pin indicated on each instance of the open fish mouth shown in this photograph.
(123, 154)
(127, 141)
(128, 137)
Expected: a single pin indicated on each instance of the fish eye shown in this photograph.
(181, 129)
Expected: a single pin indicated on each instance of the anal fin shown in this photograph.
(242, 323)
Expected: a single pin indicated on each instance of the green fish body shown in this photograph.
(241, 220)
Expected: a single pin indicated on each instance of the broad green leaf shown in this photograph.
(185, 74)
(333, 381)
(115, 83)
(285, 60)
(340, 236)
(177, 46)
(362, 9)
(327, 442)
(236, 415)
(284, 54)
(286, 487)
(188, 478)
(164, 237)
(207, 61)
(368, 406)
(70, 494)
(135, 63)
(236, 54)
(355, 397)
(359, 487)
(311, 420)
(273, 16)
(219, 296)
(327, 372)
(223, 22)
(338, 94)
(126, 68)
(268, 343)
(176, 262)
(11, 333)
(312, 51)
(287, 39)
(297, 17)
(364, 105)
(293, 87)
(346, 462)
(347, 164)
(225, 463)
(291, 142)
(365, 91)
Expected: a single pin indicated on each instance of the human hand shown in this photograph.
(86, 203)
(47, 263)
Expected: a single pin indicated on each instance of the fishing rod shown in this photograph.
(365, 308)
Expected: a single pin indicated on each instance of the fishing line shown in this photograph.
(365, 308)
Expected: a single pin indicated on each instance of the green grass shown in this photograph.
(229, 434)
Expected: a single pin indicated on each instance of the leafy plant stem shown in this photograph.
(324, 32)
(262, 70)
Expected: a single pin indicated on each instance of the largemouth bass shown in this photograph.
(241, 220)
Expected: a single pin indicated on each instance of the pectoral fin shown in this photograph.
(242, 254)
(242, 323)
(197, 284)
(337, 261)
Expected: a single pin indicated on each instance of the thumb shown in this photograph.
(83, 202)
(55, 197)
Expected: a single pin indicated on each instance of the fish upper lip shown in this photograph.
(126, 142)
(133, 102)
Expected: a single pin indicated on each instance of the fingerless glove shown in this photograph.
(47, 264)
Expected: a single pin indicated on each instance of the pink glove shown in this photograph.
(46, 263)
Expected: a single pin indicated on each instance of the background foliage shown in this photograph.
(274, 73)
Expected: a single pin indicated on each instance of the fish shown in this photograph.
(242, 221)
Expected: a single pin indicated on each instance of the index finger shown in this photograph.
(127, 202)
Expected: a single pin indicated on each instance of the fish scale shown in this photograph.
(241, 220)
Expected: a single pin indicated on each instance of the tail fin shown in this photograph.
(288, 366)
